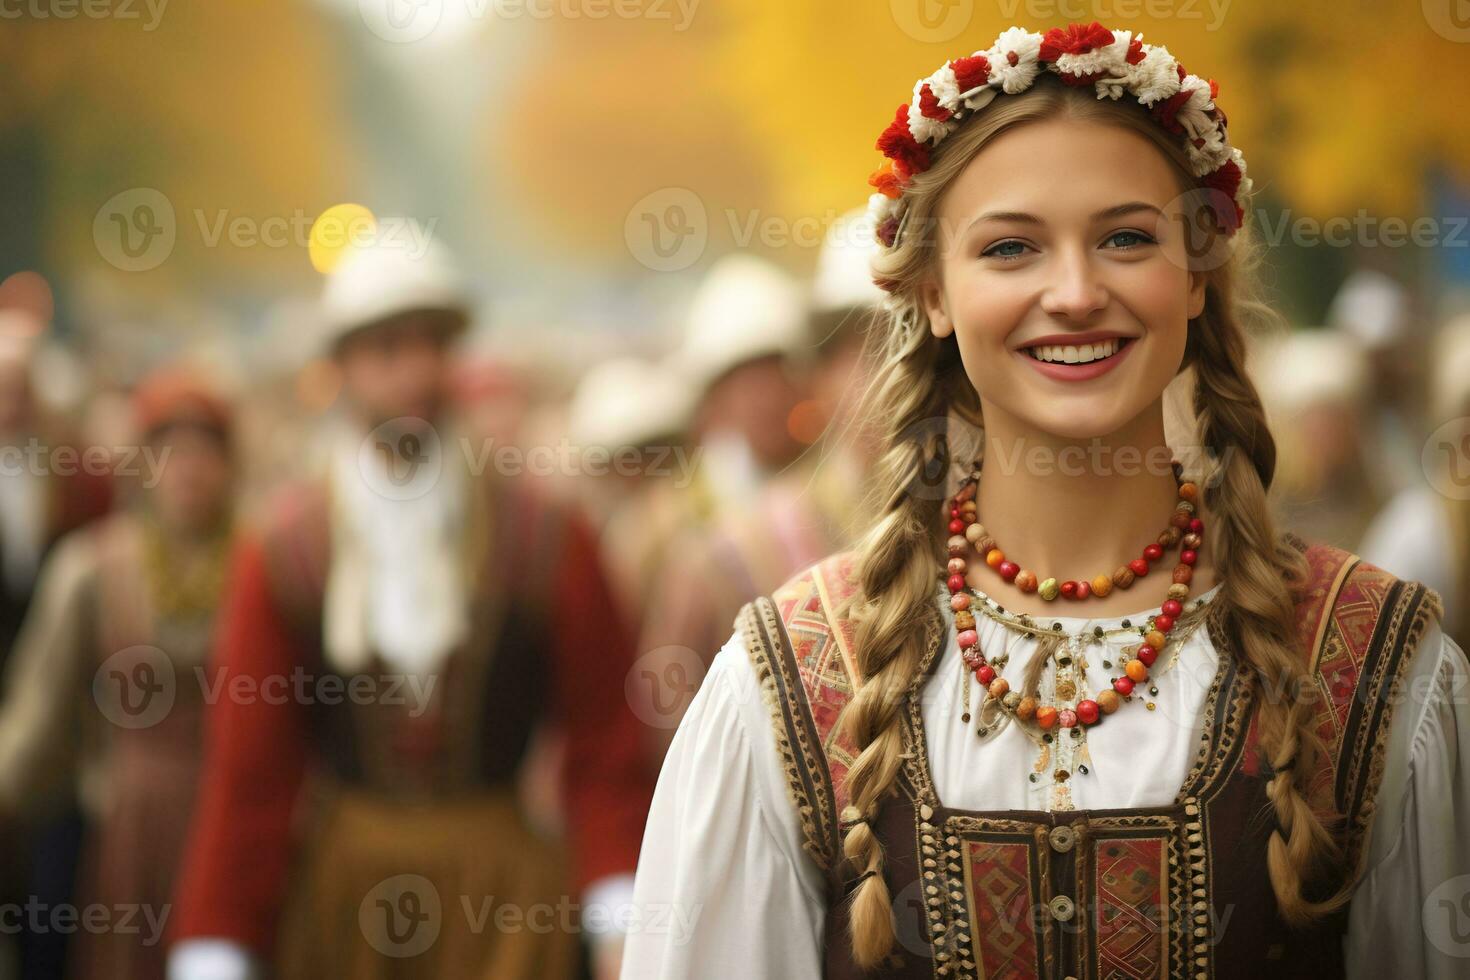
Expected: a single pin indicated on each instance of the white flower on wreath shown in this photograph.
(1211, 156)
(946, 87)
(1116, 83)
(923, 128)
(1245, 181)
(881, 207)
(1026, 46)
(1156, 77)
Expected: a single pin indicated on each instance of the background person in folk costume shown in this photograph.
(1314, 385)
(795, 512)
(467, 607)
(745, 350)
(1423, 532)
(845, 303)
(987, 769)
(125, 601)
(637, 412)
(41, 500)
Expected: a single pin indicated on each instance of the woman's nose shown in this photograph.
(1073, 290)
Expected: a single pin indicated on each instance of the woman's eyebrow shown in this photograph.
(1023, 217)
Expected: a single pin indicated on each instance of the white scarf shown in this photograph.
(397, 585)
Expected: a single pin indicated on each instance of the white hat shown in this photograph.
(745, 308)
(1450, 382)
(1311, 367)
(1372, 307)
(384, 278)
(628, 402)
(844, 278)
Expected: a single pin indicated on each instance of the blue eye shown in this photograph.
(1137, 238)
(1010, 243)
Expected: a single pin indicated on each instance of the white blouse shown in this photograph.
(724, 887)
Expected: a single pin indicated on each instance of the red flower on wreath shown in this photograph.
(1076, 39)
(970, 73)
(929, 104)
(898, 144)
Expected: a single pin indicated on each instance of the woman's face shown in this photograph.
(1063, 240)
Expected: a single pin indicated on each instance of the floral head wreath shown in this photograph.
(1112, 62)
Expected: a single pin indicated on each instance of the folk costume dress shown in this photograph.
(378, 836)
(1149, 861)
(104, 701)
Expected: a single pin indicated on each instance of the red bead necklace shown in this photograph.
(964, 523)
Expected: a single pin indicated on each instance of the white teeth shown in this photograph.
(1074, 354)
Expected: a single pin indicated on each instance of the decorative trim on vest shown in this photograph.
(1359, 626)
(801, 647)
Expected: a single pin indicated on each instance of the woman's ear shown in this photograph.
(1197, 283)
(931, 296)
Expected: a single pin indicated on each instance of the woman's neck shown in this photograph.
(1076, 509)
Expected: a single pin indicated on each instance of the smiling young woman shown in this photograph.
(1001, 737)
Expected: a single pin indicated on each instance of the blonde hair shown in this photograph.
(920, 387)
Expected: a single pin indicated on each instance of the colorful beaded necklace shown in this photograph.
(1068, 713)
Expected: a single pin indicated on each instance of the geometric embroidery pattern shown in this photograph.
(1131, 903)
(1003, 906)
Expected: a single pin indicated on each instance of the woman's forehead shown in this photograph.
(1062, 168)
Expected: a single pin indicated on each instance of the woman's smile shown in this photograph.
(1077, 362)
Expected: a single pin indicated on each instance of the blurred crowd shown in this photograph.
(322, 674)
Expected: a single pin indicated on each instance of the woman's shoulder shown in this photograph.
(1339, 575)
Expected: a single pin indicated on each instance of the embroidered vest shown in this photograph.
(1169, 891)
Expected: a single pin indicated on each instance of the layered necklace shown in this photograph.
(1070, 711)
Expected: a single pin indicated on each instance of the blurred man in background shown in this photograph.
(463, 607)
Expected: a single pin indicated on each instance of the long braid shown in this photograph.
(1257, 569)
(897, 571)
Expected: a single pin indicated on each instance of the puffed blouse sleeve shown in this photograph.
(723, 885)
(1410, 914)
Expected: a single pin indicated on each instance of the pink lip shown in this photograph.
(1078, 372)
